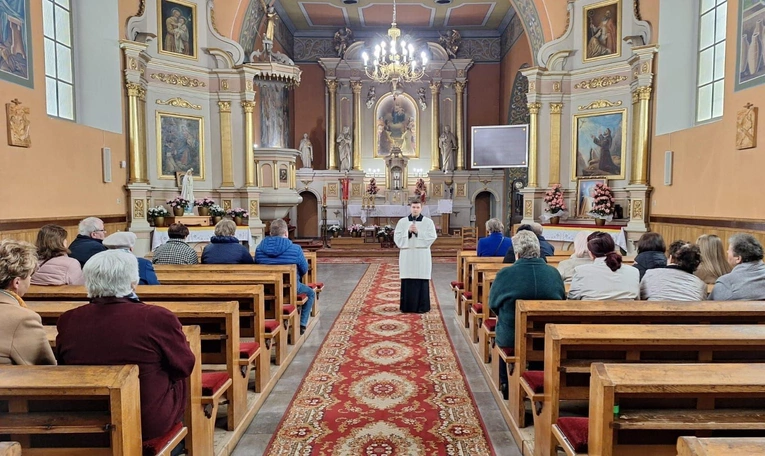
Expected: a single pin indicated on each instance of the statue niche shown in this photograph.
(396, 176)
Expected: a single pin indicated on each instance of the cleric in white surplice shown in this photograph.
(414, 236)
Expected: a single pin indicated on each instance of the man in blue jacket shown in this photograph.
(278, 249)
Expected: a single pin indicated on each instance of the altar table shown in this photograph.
(567, 233)
(198, 234)
(389, 211)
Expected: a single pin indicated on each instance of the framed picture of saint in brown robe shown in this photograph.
(177, 25)
(599, 144)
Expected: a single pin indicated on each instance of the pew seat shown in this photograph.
(571, 432)
(276, 338)
(164, 444)
(720, 446)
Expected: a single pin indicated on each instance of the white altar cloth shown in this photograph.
(198, 234)
(389, 210)
(568, 233)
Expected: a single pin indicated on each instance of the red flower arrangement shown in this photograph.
(603, 201)
(372, 188)
(419, 189)
(554, 199)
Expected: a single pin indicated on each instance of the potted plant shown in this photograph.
(204, 205)
(385, 233)
(238, 215)
(556, 207)
(334, 230)
(217, 213)
(179, 205)
(158, 214)
(602, 204)
(356, 230)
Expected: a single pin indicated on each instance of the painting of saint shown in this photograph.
(177, 21)
(274, 121)
(602, 30)
(396, 125)
(750, 67)
(599, 146)
(180, 145)
(15, 42)
(586, 196)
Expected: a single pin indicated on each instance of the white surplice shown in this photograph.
(414, 261)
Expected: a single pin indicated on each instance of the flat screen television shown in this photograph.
(500, 146)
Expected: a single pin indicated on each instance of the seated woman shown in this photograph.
(22, 337)
(224, 247)
(118, 329)
(714, 261)
(495, 243)
(175, 250)
(125, 240)
(676, 282)
(56, 267)
(605, 278)
(746, 282)
(650, 255)
(580, 256)
(529, 278)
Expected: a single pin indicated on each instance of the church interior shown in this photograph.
(312, 130)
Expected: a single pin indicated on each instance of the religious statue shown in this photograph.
(447, 143)
(371, 97)
(343, 39)
(177, 36)
(421, 98)
(451, 42)
(306, 151)
(344, 148)
(187, 189)
(18, 124)
(268, 36)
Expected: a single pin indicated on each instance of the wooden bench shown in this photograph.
(458, 286)
(570, 350)
(487, 332)
(741, 446)
(470, 289)
(10, 449)
(311, 278)
(477, 312)
(659, 403)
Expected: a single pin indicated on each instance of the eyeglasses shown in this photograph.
(99, 231)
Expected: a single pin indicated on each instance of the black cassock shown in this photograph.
(415, 295)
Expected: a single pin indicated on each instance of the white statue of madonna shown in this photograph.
(187, 190)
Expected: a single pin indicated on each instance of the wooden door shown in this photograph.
(482, 212)
(308, 216)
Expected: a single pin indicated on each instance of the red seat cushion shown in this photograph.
(469, 247)
(302, 296)
(576, 431)
(468, 295)
(153, 446)
(478, 308)
(316, 285)
(536, 380)
(509, 351)
(490, 324)
(272, 325)
(288, 309)
(212, 382)
(457, 284)
(247, 349)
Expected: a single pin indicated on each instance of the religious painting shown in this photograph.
(274, 119)
(396, 125)
(177, 26)
(750, 59)
(599, 145)
(180, 145)
(585, 199)
(16, 42)
(602, 30)
(282, 175)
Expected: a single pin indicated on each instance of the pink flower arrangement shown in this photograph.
(554, 199)
(238, 212)
(603, 201)
(179, 202)
(204, 202)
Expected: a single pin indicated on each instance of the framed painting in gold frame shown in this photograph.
(396, 123)
(180, 145)
(594, 134)
(584, 198)
(176, 23)
(602, 30)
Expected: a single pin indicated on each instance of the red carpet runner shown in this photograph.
(383, 383)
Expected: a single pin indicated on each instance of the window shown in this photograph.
(59, 58)
(710, 86)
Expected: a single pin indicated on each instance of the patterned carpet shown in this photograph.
(383, 383)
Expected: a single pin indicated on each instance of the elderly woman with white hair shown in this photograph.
(495, 244)
(117, 328)
(580, 256)
(530, 277)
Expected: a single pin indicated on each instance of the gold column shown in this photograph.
(435, 123)
(533, 143)
(356, 86)
(249, 141)
(332, 133)
(137, 145)
(459, 87)
(275, 170)
(226, 148)
(640, 100)
(556, 109)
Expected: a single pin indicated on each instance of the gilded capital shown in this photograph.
(435, 86)
(644, 92)
(135, 90)
(556, 108)
(459, 86)
(331, 84)
(356, 86)
(248, 106)
(534, 108)
(224, 106)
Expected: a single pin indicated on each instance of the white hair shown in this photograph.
(526, 244)
(111, 273)
(89, 225)
(493, 225)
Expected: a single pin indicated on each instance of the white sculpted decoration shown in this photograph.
(187, 190)
(306, 151)
(344, 148)
(421, 98)
(371, 97)
(447, 143)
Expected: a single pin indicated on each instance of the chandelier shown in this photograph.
(394, 60)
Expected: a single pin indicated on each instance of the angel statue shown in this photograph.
(343, 39)
(268, 36)
(451, 41)
(371, 97)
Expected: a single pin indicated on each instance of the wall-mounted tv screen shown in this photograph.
(500, 146)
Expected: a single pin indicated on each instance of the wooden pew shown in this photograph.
(249, 297)
(458, 286)
(532, 316)
(311, 278)
(659, 403)
(113, 391)
(487, 333)
(467, 298)
(741, 446)
(10, 449)
(480, 304)
(570, 350)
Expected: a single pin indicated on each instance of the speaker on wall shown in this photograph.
(668, 167)
(106, 154)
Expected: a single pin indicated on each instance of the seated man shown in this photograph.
(117, 329)
(495, 244)
(125, 240)
(746, 282)
(278, 249)
(529, 278)
(89, 240)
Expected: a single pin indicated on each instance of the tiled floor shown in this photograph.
(340, 280)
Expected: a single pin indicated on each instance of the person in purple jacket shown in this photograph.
(117, 328)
